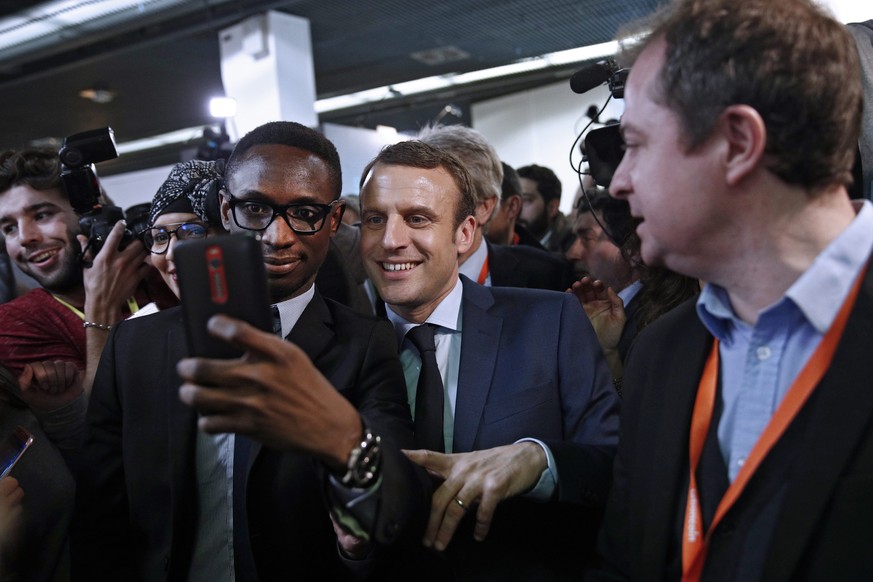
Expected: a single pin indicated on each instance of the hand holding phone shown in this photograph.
(223, 274)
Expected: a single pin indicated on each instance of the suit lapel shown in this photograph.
(181, 436)
(481, 338)
(843, 411)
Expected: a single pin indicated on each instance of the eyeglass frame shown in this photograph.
(282, 210)
(171, 234)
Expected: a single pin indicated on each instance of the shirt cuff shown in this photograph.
(354, 508)
(548, 482)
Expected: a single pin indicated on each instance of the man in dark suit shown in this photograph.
(503, 379)
(746, 439)
(298, 441)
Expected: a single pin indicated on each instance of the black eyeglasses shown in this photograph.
(302, 218)
(157, 238)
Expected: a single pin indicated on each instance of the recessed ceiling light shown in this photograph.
(97, 95)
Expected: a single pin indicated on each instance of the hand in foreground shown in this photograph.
(50, 385)
(11, 495)
(487, 477)
(351, 545)
(113, 276)
(273, 394)
(605, 310)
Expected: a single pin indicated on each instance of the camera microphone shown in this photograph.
(592, 76)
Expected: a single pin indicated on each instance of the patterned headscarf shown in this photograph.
(192, 186)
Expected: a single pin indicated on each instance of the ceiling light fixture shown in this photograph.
(98, 94)
(222, 107)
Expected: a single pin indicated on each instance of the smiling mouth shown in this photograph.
(394, 267)
(42, 256)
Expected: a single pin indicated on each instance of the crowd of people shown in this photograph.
(462, 383)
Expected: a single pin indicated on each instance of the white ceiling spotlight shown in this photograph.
(222, 107)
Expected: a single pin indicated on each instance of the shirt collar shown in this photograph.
(446, 314)
(628, 293)
(830, 276)
(472, 267)
(290, 310)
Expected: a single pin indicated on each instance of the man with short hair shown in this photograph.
(540, 212)
(504, 228)
(298, 440)
(595, 250)
(52, 336)
(503, 380)
(746, 420)
(489, 264)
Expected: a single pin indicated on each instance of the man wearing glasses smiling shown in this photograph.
(299, 441)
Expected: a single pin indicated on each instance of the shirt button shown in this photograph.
(741, 461)
(763, 352)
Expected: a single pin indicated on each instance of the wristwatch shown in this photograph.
(362, 468)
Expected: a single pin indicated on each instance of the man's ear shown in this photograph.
(552, 208)
(464, 234)
(336, 217)
(224, 212)
(485, 209)
(513, 206)
(745, 134)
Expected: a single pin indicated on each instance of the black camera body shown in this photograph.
(78, 155)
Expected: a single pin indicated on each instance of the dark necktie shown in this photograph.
(429, 393)
(277, 321)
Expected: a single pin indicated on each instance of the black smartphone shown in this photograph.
(221, 274)
(13, 448)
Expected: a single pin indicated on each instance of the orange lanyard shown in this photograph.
(694, 544)
(483, 274)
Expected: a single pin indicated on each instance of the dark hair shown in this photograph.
(548, 184)
(290, 133)
(796, 66)
(38, 168)
(511, 184)
(417, 154)
(615, 213)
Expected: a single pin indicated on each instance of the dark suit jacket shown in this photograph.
(524, 266)
(531, 367)
(806, 513)
(137, 485)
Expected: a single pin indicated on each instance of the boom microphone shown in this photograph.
(592, 76)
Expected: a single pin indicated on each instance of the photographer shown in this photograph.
(52, 337)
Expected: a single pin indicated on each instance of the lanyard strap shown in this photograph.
(483, 274)
(70, 307)
(694, 545)
(132, 305)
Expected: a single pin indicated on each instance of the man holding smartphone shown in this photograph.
(316, 421)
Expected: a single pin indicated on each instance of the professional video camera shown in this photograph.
(78, 154)
(604, 146)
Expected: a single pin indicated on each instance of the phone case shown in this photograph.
(221, 274)
(13, 448)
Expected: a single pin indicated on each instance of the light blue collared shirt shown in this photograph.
(447, 317)
(759, 363)
(628, 293)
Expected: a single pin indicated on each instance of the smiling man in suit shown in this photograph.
(503, 379)
(746, 449)
(292, 434)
